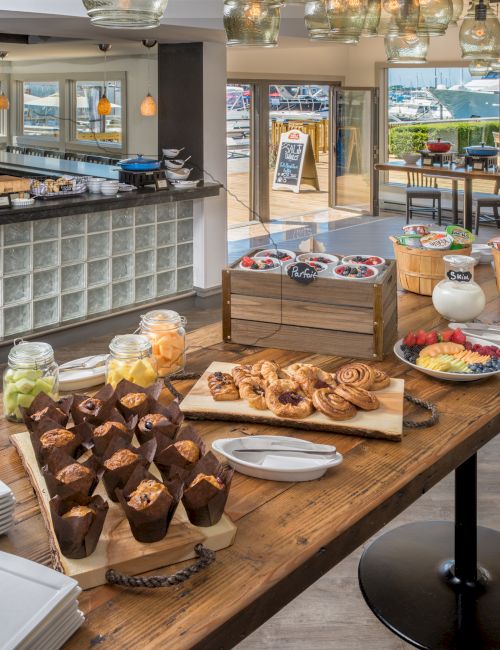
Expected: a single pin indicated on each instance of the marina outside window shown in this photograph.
(90, 126)
(41, 102)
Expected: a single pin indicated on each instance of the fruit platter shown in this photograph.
(449, 355)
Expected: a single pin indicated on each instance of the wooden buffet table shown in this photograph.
(456, 174)
(288, 534)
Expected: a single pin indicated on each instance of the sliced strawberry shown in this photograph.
(421, 337)
(410, 339)
(247, 261)
(431, 337)
(446, 335)
(458, 336)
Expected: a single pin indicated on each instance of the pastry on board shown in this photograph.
(222, 386)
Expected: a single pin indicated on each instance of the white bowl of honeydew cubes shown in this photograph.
(373, 261)
(322, 258)
(281, 254)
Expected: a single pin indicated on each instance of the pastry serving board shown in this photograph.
(117, 548)
(386, 422)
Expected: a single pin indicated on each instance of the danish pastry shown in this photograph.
(285, 399)
(358, 396)
(294, 368)
(254, 391)
(356, 374)
(267, 370)
(311, 378)
(332, 405)
(222, 387)
(241, 372)
(381, 380)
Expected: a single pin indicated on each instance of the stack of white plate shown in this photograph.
(38, 605)
(7, 505)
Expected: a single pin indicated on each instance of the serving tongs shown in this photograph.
(95, 361)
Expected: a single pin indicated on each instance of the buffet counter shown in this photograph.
(74, 259)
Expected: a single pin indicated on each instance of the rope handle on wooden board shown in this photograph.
(410, 424)
(205, 558)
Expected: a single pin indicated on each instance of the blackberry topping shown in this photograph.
(290, 398)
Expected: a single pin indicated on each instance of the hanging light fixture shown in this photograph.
(4, 100)
(252, 23)
(399, 17)
(372, 18)
(125, 14)
(458, 7)
(478, 68)
(435, 16)
(411, 48)
(495, 65)
(479, 35)
(148, 104)
(347, 19)
(104, 105)
(316, 20)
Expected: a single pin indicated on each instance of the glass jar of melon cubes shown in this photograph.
(131, 358)
(166, 331)
(31, 370)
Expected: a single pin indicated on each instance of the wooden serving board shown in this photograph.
(117, 548)
(386, 422)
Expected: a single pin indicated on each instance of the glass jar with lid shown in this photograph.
(31, 370)
(457, 297)
(166, 331)
(131, 358)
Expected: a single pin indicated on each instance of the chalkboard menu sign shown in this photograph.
(295, 163)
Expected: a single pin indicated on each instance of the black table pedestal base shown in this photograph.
(407, 579)
(437, 584)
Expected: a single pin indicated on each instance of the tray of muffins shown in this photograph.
(122, 481)
(357, 398)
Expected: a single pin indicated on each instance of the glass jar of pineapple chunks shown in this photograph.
(131, 358)
(31, 370)
(166, 331)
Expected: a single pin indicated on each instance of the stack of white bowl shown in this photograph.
(7, 505)
(94, 185)
(177, 174)
(109, 188)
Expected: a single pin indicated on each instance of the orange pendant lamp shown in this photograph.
(148, 104)
(4, 100)
(104, 105)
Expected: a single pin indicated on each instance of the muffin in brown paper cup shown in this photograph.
(160, 422)
(78, 535)
(118, 454)
(149, 504)
(48, 435)
(89, 409)
(132, 399)
(44, 407)
(179, 456)
(68, 478)
(204, 502)
(111, 428)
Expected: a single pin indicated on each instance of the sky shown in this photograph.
(419, 77)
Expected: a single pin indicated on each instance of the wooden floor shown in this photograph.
(332, 615)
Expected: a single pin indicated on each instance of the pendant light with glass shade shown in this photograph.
(347, 19)
(4, 100)
(104, 105)
(435, 16)
(411, 48)
(316, 20)
(372, 18)
(458, 8)
(478, 68)
(399, 17)
(125, 14)
(495, 64)
(479, 35)
(148, 104)
(255, 23)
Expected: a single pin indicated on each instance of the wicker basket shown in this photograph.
(496, 260)
(419, 270)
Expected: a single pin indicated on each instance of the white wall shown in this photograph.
(142, 131)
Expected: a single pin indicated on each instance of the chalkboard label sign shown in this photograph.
(295, 162)
(460, 276)
(302, 272)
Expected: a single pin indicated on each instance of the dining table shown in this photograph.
(456, 174)
(291, 533)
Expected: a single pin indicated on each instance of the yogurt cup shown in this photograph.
(416, 229)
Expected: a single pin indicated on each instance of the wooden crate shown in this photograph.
(496, 260)
(328, 316)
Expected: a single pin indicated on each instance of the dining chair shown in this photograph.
(422, 186)
(487, 201)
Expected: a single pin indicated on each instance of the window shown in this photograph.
(239, 99)
(89, 125)
(41, 109)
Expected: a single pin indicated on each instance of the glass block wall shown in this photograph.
(55, 270)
